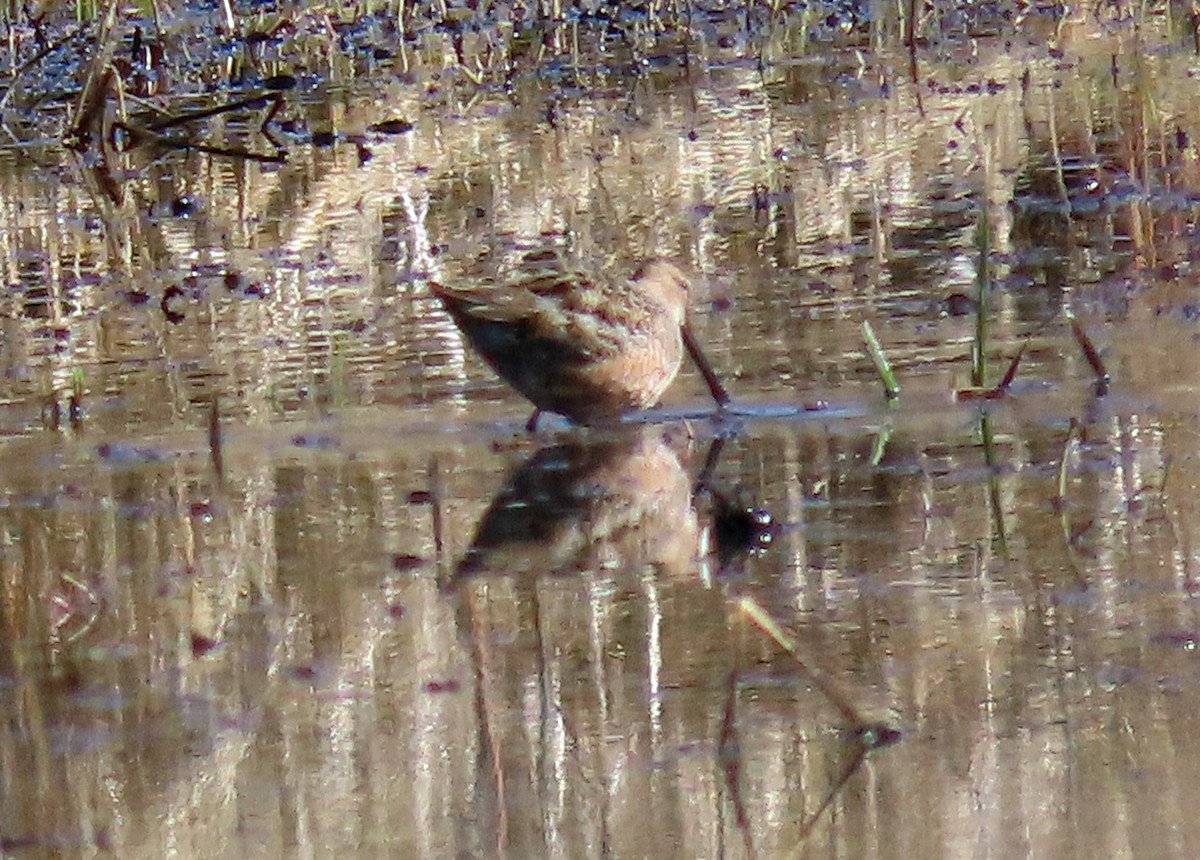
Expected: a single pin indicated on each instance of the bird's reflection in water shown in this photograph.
(616, 500)
(571, 602)
(617, 680)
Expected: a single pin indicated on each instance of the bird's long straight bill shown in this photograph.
(719, 394)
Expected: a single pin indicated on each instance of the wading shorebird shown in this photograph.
(589, 348)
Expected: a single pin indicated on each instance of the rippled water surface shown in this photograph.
(282, 574)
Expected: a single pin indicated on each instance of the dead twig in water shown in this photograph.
(214, 440)
(275, 99)
(730, 759)
(910, 40)
(868, 740)
(1089, 352)
(90, 115)
(995, 500)
(1011, 373)
(997, 391)
(866, 736)
(881, 733)
(151, 135)
(89, 111)
(225, 151)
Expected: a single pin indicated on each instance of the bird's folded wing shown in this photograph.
(488, 302)
(558, 313)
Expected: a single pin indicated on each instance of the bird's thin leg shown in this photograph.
(531, 424)
(719, 394)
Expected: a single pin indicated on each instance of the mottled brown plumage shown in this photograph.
(587, 347)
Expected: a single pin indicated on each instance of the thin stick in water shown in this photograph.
(1089, 350)
(214, 440)
(752, 610)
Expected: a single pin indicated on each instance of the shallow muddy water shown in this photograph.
(372, 616)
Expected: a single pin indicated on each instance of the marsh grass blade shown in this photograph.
(891, 388)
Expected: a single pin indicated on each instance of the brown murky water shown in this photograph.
(397, 626)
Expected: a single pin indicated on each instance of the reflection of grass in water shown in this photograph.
(51, 411)
(339, 369)
(321, 388)
(75, 407)
(983, 284)
(891, 390)
(867, 731)
(52, 403)
(995, 500)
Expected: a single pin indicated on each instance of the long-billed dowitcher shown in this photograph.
(589, 348)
